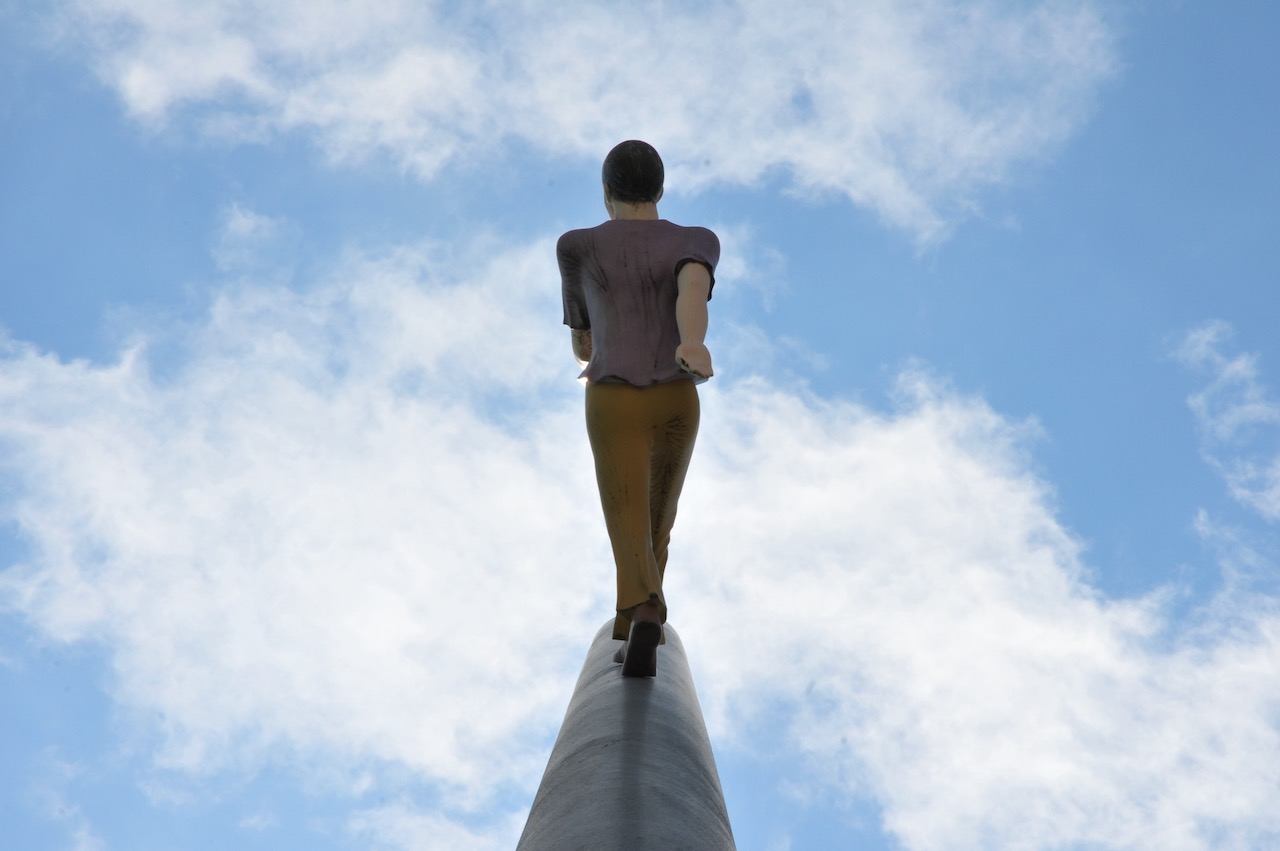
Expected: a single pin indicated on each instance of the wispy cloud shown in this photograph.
(404, 826)
(247, 238)
(52, 788)
(330, 528)
(908, 108)
(1238, 417)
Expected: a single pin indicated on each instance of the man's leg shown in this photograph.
(677, 430)
(621, 429)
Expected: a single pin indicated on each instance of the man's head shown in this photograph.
(633, 173)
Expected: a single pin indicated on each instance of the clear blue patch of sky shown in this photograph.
(765, 796)
(88, 216)
(62, 719)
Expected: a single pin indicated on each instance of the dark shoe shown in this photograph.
(640, 653)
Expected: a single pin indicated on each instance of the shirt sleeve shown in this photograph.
(703, 247)
(571, 291)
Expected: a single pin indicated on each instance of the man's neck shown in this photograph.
(644, 210)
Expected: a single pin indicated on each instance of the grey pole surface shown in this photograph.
(632, 767)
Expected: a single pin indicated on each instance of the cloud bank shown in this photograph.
(910, 109)
(321, 534)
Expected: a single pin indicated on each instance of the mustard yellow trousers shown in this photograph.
(642, 439)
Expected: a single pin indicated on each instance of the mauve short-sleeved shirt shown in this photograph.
(618, 280)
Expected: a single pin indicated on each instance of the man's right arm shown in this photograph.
(575, 309)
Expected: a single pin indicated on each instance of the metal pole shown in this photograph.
(632, 767)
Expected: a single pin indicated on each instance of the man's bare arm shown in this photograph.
(694, 282)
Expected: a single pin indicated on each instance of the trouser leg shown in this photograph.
(674, 436)
(642, 440)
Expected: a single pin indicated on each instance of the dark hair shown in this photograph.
(633, 172)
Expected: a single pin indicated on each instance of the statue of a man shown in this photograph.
(635, 291)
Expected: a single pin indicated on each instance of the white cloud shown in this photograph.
(313, 535)
(901, 586)
(355, 525)
(908, 108)
(1239, 419)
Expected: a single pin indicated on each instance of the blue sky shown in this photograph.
(291, 453)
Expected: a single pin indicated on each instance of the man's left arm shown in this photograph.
(694, 288)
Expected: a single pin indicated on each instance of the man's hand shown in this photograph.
(694, 358)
